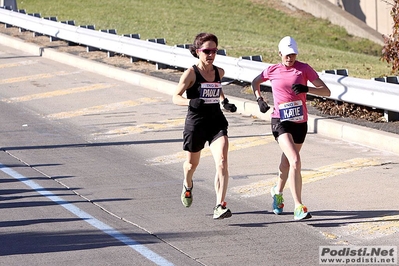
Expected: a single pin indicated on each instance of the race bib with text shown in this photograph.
(210, 92)
(291, 111)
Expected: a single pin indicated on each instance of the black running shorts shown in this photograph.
(297, 130)
(194, 141)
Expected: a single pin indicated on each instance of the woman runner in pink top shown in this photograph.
(289, 81)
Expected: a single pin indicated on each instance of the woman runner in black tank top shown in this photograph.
(210, 114)
(205, 121)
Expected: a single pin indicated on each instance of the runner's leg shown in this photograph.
(189, 167)
(219, 149)
(291, 151)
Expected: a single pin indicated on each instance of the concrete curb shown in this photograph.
(369, 137)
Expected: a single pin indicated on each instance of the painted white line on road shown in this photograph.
(148, 254)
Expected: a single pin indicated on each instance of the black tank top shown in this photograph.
(194, 91)
(210, 112)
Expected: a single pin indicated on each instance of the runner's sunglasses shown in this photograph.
(208, 51)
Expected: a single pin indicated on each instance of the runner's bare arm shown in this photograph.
(256, 85)
(186, 80)
(221, 75)
(320, 88)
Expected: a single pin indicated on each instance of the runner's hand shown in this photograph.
(299, 88)
(263, 106)
(229, 106)
(196, 103)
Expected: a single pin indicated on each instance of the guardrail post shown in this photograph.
(257, 58)
(36, 15)
(392, 79)
(184, 46)
(159, 66)
(11, 4)
(329, 71)
(68, 22)
(52, 39)
(7, 8)
(381, 79)
(110, 31)
(135, 36)
(341, 72)
(221, 52)
(22, 11)
(72, 23)
(90, 27)
(389, 115)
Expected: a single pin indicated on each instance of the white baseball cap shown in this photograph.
(288, 46)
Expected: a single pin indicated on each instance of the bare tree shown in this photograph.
(390, 51)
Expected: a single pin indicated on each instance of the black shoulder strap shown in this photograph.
(196, 70)
(217, 76)
(198, 74)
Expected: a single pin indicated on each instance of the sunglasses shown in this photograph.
(208, 51)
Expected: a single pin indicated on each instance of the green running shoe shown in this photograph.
(221, 211)
(301, 213)
(187, 196)
(278, 200)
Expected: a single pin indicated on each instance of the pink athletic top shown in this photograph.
(287, 105)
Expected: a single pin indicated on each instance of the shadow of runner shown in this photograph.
(335, 218)
(14, 243)
(326, 218)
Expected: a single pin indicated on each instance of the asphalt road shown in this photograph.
(91, 174)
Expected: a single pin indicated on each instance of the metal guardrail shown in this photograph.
(364, 92)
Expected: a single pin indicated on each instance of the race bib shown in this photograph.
(210, 92)
(292, 111)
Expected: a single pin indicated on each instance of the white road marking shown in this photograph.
(147, 253)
